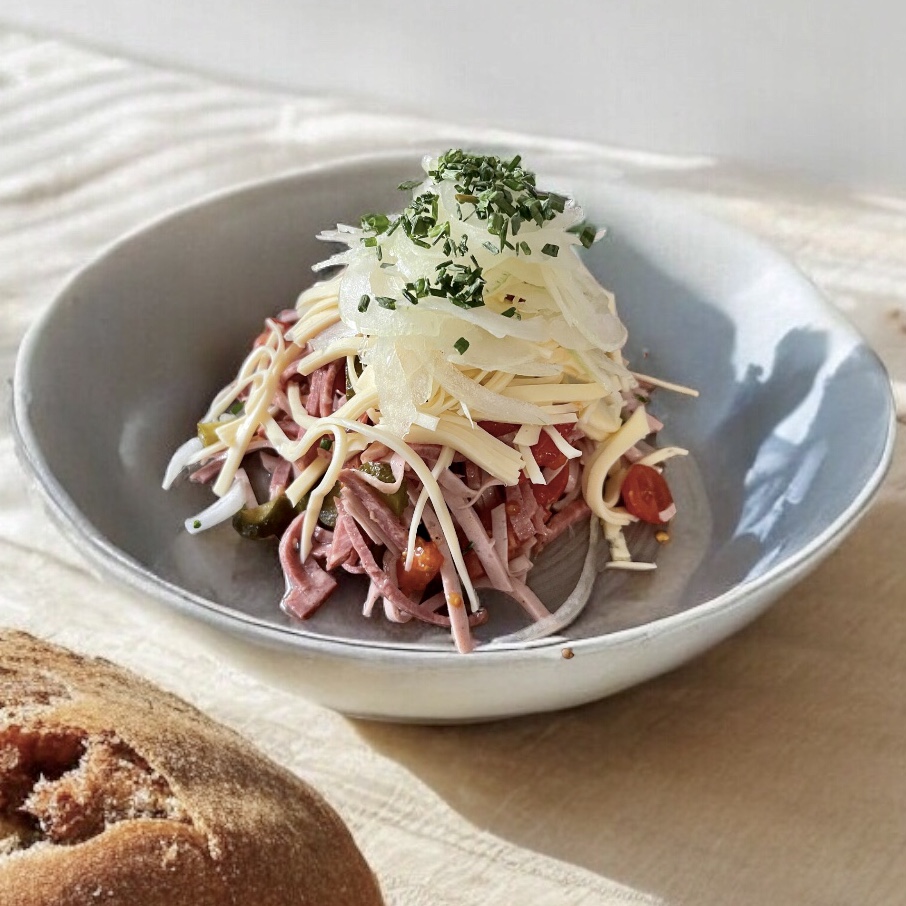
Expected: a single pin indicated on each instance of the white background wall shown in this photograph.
(817, 88)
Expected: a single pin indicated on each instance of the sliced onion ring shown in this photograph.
(180, 459)
(219, 511)
(570, 609)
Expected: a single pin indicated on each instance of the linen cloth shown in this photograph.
(769, 770)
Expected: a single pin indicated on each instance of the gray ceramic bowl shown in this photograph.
(790, 437)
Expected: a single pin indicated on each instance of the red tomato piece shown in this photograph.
(425, 566)
(646, 494)
(549, 493)
(545, 451)
(498, 429)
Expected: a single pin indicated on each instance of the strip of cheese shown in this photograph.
(555, 393)
(603, 460)
(485, 450)
(667, 385)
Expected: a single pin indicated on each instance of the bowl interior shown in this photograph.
(791, 426)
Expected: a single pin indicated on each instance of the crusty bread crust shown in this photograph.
(126, 795)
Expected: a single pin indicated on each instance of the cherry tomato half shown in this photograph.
(646, 494)
(547, 494)
(545, 451)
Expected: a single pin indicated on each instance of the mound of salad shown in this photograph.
(442, 408)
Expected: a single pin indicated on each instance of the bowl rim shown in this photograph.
(116, 563)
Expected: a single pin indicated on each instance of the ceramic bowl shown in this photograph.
(789, 438)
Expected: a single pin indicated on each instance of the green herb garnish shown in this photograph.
(461, 284)
(376, 223)
(500, 192)
(586, 232)
(461, 345)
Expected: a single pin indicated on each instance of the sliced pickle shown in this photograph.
(396, 500)
(268, 520)
(350, 391)
(328, 515)
(207, 432)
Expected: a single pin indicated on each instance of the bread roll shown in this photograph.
(115, 792)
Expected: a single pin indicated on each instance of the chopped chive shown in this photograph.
(196, 523)
(500, 194)
(377, 223)
(386, 302)
(557, 202)
(587, 232)
(509, 312)
(326, 443)
(363, 302)
(461, 345)
(236, 408)
(588, 236)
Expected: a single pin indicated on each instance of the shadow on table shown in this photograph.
(769, 769)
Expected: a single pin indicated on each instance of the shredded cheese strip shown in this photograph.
(562, 444)
(443, 462)
(256, 408)
(556, 393)
(325, 485)
(604, 459)
(494, 456)
(339, 349)
(667, 385)
(306, 480)
(662, 454)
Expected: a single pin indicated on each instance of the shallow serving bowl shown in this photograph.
(789, 439)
